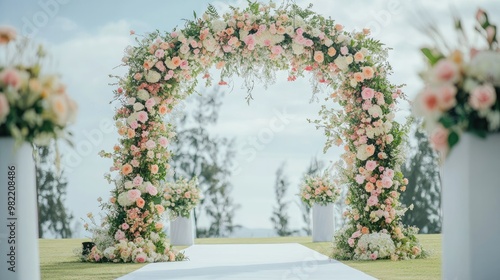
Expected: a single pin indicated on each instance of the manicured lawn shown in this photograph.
(59, 262)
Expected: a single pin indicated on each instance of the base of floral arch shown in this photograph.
(250, 261)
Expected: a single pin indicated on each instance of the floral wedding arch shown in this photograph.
(254, 43)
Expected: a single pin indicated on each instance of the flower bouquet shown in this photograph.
(462, 86)
(320, 190)
(34, 106)
(181, 197)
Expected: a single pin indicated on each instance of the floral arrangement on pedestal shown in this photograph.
(181, 197)
(254, 43)
(462, 92)
(34, 107)
(320, 190)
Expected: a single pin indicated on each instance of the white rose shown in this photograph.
(152, 76)
(349, 59)
(210, 44)
(341, 38)
(341, 63)
(388, 126)
(132, 118)
(142, 94)
(123, 200)
(353, 83)
(138, 106)
(297, 49)
(128, 185)
(375, 111)
(328, 42)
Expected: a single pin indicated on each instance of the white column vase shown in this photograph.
(182, 231)
(471, 209)
(19, 224)
(323, 223)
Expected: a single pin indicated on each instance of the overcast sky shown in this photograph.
(87, 39)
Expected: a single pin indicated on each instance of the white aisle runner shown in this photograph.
(249, 261)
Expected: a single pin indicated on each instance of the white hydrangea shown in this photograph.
(341, 63)
(297, 49)
(218, 25)
(375, 111)
(123, 200)
(485, 66)
(377, 243)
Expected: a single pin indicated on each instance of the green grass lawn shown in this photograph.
(59, 262)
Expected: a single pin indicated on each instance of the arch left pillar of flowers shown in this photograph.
(252, 43)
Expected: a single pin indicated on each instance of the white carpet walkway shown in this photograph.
(250, 261)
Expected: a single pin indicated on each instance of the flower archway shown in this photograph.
(253, 43)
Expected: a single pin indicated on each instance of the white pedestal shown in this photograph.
(19, 224)
(182, 231)
(471, 209)
(322, 223)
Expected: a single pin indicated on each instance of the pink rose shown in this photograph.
(137, 180)
(119, 235)
(11, 78)
(386, 182)
(249, 40)
(429, 100)
(150, 144)
(160, 66)
(482, 97)
(439, 139)
(150, 103)
(372, 201)
(447, 98)
(141, 258)
(142, 116)
(356, 234)
(163, 142)
(133, 195)
(276, 50)
(360, 179)
(350, 241)
(125, 226)
(446, 71)
(319, 57)
(371, 165)
(373, 256)
(344, 50)
(389, 173)
(160, 53)
(367, 93)
(4, 108)
(152, 190)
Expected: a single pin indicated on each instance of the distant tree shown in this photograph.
(424, 188)
(280, 217)
(53, 216)
(315, 167)
(197, 153)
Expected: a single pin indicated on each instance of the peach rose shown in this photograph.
(365, 230)
(482, 97)
(140, 202)
(369, 187)
(358, 77)
(126, 169)
(160, 209)
(358, 57)
(148, 64)
(332, 51)
(130, 133)
(158, 226)
(368, 72)
(319, 57)
(163, 109)
(154, 169)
